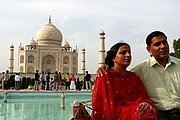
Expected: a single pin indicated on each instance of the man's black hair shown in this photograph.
(152, 35)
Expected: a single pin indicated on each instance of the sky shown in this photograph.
(81, 21)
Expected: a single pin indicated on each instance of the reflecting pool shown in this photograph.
(39, 106)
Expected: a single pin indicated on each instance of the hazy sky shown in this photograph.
(81, 21)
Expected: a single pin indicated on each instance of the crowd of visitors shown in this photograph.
(46, 81)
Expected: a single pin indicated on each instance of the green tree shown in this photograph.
(176, 47)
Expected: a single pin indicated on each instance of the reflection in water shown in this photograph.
(41, 111)
(38, 108)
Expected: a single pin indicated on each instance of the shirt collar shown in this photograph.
(153, 61)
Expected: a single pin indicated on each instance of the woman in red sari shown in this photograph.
(120, 94)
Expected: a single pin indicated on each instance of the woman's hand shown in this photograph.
(101, 70)
(144, 106)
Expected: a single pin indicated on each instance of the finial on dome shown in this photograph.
(12, 46)
(49, 18)
(102, 31)
(83, 48)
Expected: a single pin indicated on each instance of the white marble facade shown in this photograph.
(48, 52)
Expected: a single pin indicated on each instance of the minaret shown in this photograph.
(102, 49)
(11, 59)
(83, 68)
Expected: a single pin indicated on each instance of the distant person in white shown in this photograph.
(17, 81)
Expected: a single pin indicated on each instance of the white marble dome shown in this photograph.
(49, 35)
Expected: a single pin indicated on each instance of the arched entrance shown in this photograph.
(48, 64)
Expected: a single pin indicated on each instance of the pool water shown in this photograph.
(45, 106)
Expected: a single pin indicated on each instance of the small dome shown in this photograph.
(83, 49)
(49, 35)
(12, 46)
(32, 42)
(65, 44)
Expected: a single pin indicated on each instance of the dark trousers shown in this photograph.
(67, 85)
(47, 85)
(17, 85)
(6, 85)
(43, 83)
(78, 86)
(173, 114)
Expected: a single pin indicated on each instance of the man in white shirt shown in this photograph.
(161, 76)
(17, 81)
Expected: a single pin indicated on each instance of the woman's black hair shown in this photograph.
(110, 55)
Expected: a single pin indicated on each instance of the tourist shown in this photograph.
(78, 85)
(67, 81)
(87, 79)
(47, 80)
(56, 78)
(51, 84)
(120, 94)
(36, 85)
(73, 82)
(2, 80)
(6, 80)
(161, 76)
(42, 80)
(60, 82)
(17, 79)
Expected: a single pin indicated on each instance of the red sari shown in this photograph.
(116, 96)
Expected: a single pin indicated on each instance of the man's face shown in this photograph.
(159, 47)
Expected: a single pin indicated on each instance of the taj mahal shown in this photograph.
(48, 52)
